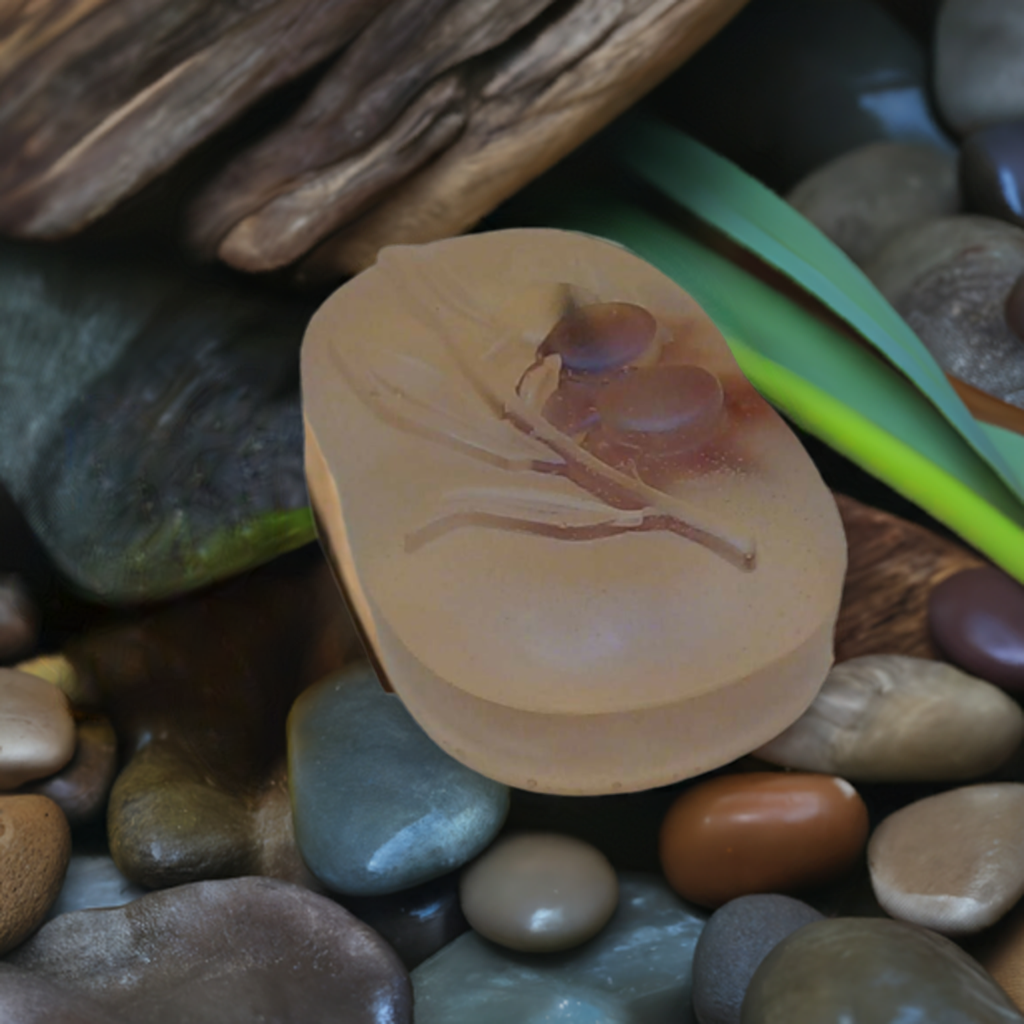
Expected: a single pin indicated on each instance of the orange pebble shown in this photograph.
(761, 832)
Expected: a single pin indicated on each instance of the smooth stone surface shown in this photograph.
(199, 690)
(737, 937)
(952, 862)
(1000, 950)
(92, 881)
(26, 998)
(862, 198)
(378, 806)
(37, 732)
(950, 278)
(790, 84)
(19, 619)
(81, 787)
(539, 892)
(890, 718)
(230, 952)
(35, 844)
(976, 617)
(764, 832)
(416, 922)
(872, 971)
(992, 170)
(979, 62)
(637, 969)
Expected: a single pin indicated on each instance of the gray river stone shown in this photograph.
(638, 969)
(378, 806)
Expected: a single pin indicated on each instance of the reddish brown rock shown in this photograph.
(35, 845)
(763, 832)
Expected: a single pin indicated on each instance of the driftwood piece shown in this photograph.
(432, 112)
(893, 565)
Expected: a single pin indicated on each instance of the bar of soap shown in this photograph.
(585, 553)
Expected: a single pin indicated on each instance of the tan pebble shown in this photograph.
(35, 846)
(1000, 950)
(37, 732)
(890, 718)
(765, 832)
(539, 892)
(952, 862)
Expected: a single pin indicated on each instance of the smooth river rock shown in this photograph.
(19, 618)
(951, 278)
(224, 952)
(992, 170)
(637, 969)
(872, 971)
(976, 617)
(92, 881)
(952, 862)
(890, 718)
(35, 844)
(862, 198)
(791, 84)
(761, 832)
(539, 892)
(378, 806)
(979, 62)
(737, 937)
(37, 732)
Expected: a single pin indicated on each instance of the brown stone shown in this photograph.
(37, 732)
(539, 892)
(766, 832)
(35, 846)
(952, 862)
(548, 534)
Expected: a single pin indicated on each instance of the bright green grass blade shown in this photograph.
(718, 192)
(855, 402)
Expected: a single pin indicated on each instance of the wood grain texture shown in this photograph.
(893, 565)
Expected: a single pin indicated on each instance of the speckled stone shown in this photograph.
(223, 952)
(952, 862)
(890, 718)
(26, 998)
(788, 85)
(81, 787)
(415, 922)
(872, 971)
(976, 617)
(637, 969)
(979, 62)
(737, 937)
(758, 832)
(37, 733)
(92, 881)
(378, 806)
(35, 844)
(862, 198)
(539, 892)
(950, 279)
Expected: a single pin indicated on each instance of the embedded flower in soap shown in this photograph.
(550, 496)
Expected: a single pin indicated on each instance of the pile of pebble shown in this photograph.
(907, 151)
(862, 865)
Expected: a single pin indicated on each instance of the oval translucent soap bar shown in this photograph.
(587, 555)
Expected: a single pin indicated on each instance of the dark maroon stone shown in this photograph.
(992, 171)
(976, 618)
(19, 619)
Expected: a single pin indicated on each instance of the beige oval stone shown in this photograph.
(565, 603)
(952, 862)
(37, 732)
(35, 846)
(539, 892)
(891, 718)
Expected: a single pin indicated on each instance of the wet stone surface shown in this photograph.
(378, 805)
